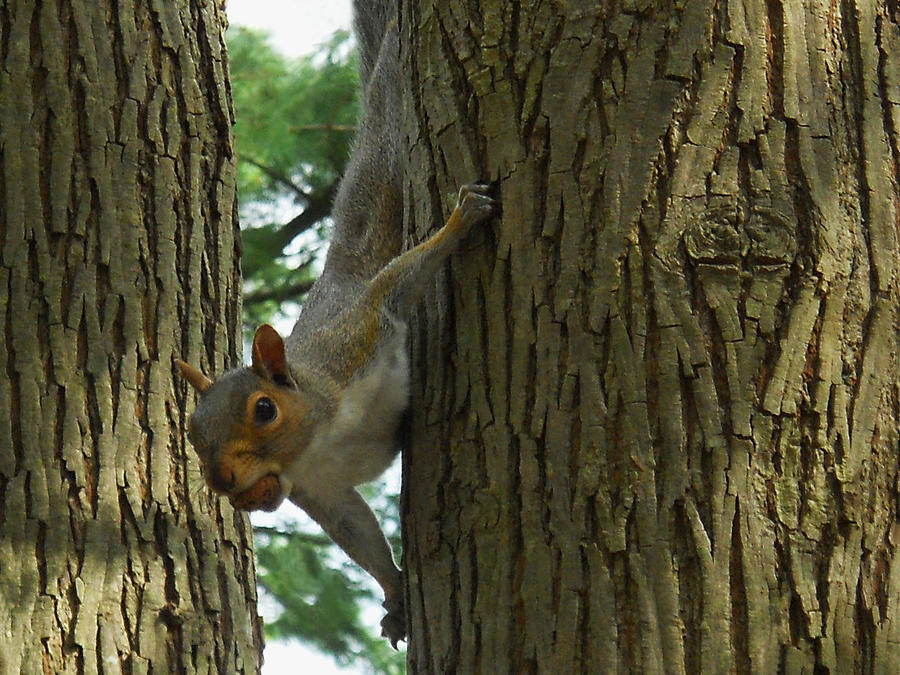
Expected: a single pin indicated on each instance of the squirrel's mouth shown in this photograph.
(265, 494)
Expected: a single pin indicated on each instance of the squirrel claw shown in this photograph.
(475, 202)
(393, 625)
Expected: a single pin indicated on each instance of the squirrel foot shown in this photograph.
(475, 203)
(393, 625)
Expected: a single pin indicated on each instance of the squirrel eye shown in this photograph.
(264, 411)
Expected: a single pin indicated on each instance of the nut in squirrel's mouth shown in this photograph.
(265, 494)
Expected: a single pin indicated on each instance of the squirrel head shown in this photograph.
(250, 424)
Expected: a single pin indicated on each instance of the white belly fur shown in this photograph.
(360, 441)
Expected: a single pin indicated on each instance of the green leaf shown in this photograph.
(321, 598)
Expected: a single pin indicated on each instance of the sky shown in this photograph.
(295, 28)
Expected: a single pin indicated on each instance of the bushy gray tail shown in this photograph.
(370, 23)
(368, 206)
(367, 218)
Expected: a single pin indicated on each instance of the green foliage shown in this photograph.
(295, 119)
(321, 599)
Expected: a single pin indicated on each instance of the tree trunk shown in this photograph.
(118, 250)
(656, 426)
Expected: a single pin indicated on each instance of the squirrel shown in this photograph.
(319, 413)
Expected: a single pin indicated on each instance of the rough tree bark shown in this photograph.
(656, 428)
(118, 250)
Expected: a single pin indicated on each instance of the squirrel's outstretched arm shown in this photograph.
(350, 523)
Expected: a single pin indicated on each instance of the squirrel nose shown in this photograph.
(220, 478)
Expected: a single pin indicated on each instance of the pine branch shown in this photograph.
(316, 539)
(344, 128)
(278, 177)
(280, 294)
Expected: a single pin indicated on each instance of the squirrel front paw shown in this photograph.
(393, 625)
(475, 203)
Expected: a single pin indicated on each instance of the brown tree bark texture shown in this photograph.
(656, 427)
(118, 250)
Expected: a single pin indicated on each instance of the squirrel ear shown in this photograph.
(198, 380)
(269, 360)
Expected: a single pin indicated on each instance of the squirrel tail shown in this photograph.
(367, 212)
(368, 205)
(370, 23)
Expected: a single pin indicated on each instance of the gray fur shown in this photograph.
(370, 23)
(367, 210)
(230, 391)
